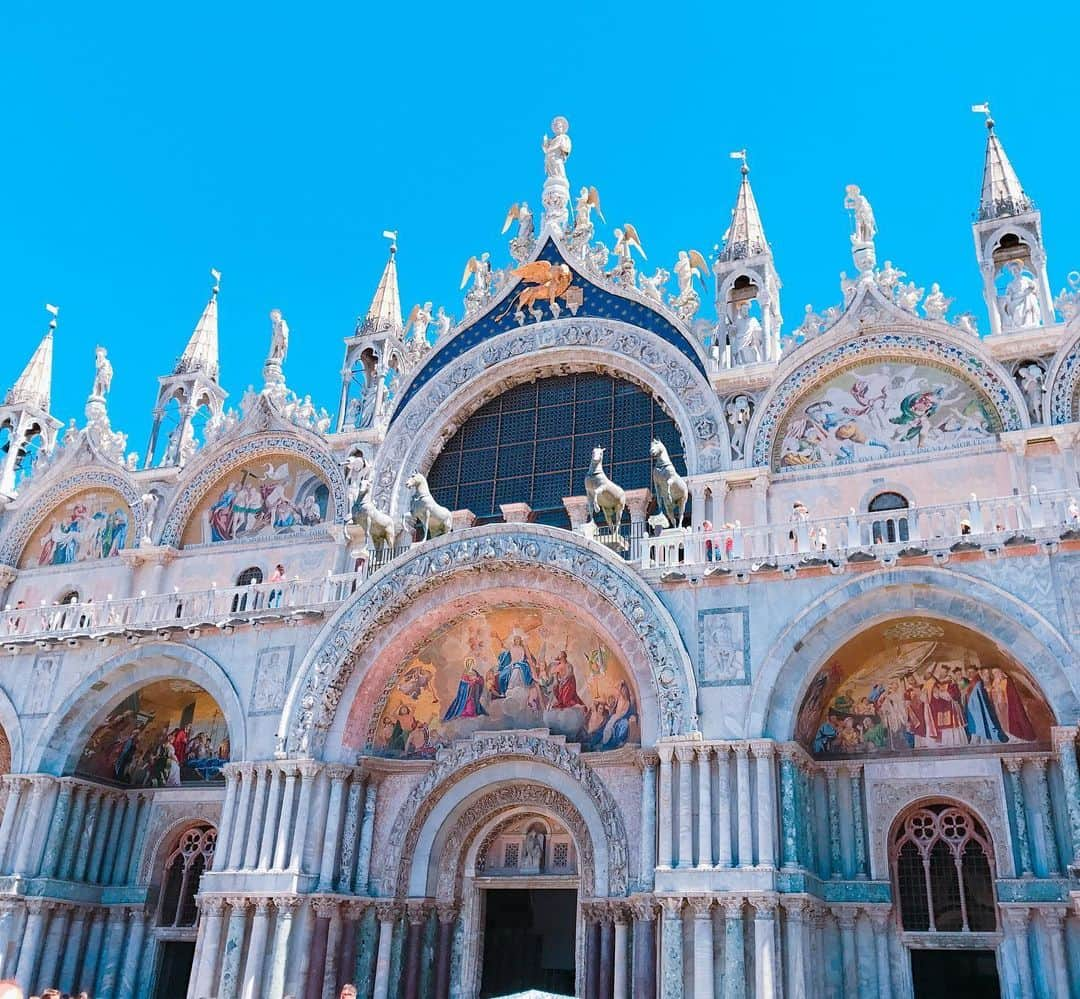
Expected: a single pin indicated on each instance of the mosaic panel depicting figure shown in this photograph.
(93, 524)
(881, 409)
(918, 684)
(508, 668)
(264, 498)
(166, 734)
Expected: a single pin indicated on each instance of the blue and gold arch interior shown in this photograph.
(597, 303)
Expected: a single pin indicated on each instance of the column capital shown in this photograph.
(238, 903)
(723, 751)
(446, 912)
(797, 907)
(417, 910)
(742, 749)
(1063, 735)
(388, 911)
(704, 752)
(647, 758)
(763, 749)
(851, 768)
(642, 907)
(263, 906)
(1054, 916)
(246, 769)
(136, 914)
(211, 905)
(620, 912)
(700, 905)
(36, 906)
(1013, 763)
(1016, 917)
(286, 905)
(672, 905)
(880, 917)
(685, 752)
(356, 907)
(666, 751)
(1039, 763)
(308, 769)
(764, 904)
(790, 751)
(324, 906)
(846, 916)
(732, 905)
(338, 771)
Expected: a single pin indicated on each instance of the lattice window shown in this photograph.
(510, 858)
(941, 862)
(534, 442)
(193, 854)
(560, 855)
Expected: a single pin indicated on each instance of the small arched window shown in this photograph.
(894, 526)
(251, 576)
(941, 863)
(193, 854)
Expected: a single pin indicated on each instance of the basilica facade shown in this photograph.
(613, 639)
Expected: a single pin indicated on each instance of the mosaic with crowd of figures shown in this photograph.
(881, 409)
(918, 684)
(168, 733)
(94, 524)
(512, 667)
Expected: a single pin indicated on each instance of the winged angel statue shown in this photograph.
(549, 282)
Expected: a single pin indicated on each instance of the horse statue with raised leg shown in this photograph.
(379, 528)
(669, 487)
(434, 520)
(604, 496)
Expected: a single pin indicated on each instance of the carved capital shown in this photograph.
(763, 749)
(797, 907)
(324, 907)
(1054, 917)
(665, 751)
(684, 753)
(1038, 763)
(238, 903)
(211, 905)
(1013, 764)
(703, 754)
(700, 905)
(742, 750)
(732, 905)
(671, 905)
(338, 772)
(880, 916)
(764, 904)
(791, 751)
(846, 916)
(387, 912)
(417, 910)
(1063, 735)
(1016, 917)
(446, 912)
(262, 907)
(308, 770)
(642, 908)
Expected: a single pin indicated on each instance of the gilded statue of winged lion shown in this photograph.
(549, 281)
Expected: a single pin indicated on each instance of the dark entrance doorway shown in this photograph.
(177, 957)
(955, 974)
(529, 937)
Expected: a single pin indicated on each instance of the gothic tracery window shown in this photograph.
(894, 526)
(184, 867)
(941, 864)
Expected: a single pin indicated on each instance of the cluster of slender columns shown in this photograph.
(620, 948)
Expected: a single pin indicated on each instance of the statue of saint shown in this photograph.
(557, 149)
(1020, 307)
(102, 373)
(279, 337)
(865, 226)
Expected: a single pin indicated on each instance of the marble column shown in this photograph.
(332, 834)
(767, 979)
(386, 913)
(85, 835)
(788, 810)
(1058, 972)
(11, 810)
(129, 972)
(257, 825)
(245, 773)
(138, 842)
(671, 943)
(116, 830)
(304, 928)
(590, 921)
(316, 943)
(644, 977)
(229, 982)
(447, 913)
(303, 813)
(270, 820)
(353, 913)
(705, 817)
(333, 949)
(1015, 920)
(205, 973)
(723, 806)
(228, 807)
(1013, 765)
(701, 907)
(88, 972)
(796, 907)
(33, 936)
(367, 831)
(742, 797)
(101, 838)
(854, 772)
(845, 917)
(1065, 745)
(734, 947)
(256, 951)
(111, 951)
(619, 979)
(416, 913)
(685, 755)
(281, 846)
(29, 841)
(72, 950)
(835, 857)
(135, 806)
(606, 980)
(56, 939)
(763, 755)
(648, 822)
(1046, 811)
(349, 833)
(881, 920)
(286, 914)
(54, 844)
(665, 847)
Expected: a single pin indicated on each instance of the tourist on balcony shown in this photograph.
(277, 576)
(706, 527)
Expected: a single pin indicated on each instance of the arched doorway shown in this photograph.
(942, 868)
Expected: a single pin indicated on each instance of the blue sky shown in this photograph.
(145, 143)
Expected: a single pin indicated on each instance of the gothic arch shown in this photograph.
(161, 841)
(509, 555)
(65, 730)
(563, 346)
(48, 499)
(1063, 381)
(826, 624)
(221, 460)
(812, 365)
(474, 770)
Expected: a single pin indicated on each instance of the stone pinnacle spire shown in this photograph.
(1002, 194)
(746, 235)
(34, 386)
(201, 352)
(385, 310)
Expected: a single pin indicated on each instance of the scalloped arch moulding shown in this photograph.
(53, 495)
(231, 456)
(554, 347)
(810, 371)
(330, 663)
(1064, 381)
